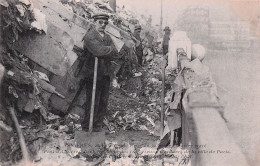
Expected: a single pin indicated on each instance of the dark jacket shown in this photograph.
(139, 49)
(97, 46)
(166, 39)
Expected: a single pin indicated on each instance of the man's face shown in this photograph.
(138, 31)
(101, 24)
(168, 32)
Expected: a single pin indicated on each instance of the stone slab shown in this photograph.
(45, 51)
(210, 130)
(68, 86)
(66, 20)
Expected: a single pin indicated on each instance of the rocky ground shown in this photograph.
(132, 130)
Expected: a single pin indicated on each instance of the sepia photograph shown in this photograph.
(129, 82)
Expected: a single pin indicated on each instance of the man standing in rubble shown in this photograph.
(166, 38)
(98, 44)
(139, 46)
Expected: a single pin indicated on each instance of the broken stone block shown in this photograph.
(45, 51)
(68, 85)
(29, 107)
(60, 35)
(64, 19)
(49, 49)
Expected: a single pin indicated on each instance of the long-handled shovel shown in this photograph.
(92, 141)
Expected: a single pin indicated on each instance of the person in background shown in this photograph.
(166, 38)
(150, 40)
(139, 46)
(98, 44)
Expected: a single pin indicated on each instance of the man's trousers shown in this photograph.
(101, 102)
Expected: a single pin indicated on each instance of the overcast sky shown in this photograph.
(170, 8)
(153, 7)
(219, 9)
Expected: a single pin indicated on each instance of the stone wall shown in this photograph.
(203, 128)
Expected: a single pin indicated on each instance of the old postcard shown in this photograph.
(130, 82)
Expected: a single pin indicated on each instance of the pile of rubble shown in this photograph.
(35, 86)
(130, 111)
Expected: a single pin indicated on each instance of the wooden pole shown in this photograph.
(93, 96)
(163, 96)
(25, 153)
(161, 19)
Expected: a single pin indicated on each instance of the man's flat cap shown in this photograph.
(100, 16)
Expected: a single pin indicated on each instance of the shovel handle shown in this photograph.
(93, 96)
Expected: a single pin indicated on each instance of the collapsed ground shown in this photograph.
(133, 122)
(133, 129)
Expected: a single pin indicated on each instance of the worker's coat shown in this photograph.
(139, 49)
(97, 46)
(102, 47)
